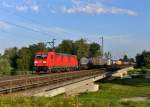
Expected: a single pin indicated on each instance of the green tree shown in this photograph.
(131, 60)
(143, 59)
(11, 55)
(66, 47)
(94, 50)
(82, 48)
(25, 59)
(38, 47)
(5, 67)
(125, 58)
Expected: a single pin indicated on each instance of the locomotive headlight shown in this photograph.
(44, 62)
(35, 62)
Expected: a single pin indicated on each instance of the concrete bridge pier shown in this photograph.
(122, 73)
(89, 87)
(76, 87)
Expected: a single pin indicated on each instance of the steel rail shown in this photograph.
(24, 83)
(10, 86)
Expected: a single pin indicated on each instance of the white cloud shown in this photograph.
(26, 5)
(4, 25)
(22, 8)
(35, 8)
(91, 8)
(115, 10)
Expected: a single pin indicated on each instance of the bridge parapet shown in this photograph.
(121, 73)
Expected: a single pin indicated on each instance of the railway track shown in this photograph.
(9, 86)
(4, 78)
(19, 83)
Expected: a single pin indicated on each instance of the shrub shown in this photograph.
(142, 70)
(135, 71)
(5, 67)
(145, 70)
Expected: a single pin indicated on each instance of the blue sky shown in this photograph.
(125, 24)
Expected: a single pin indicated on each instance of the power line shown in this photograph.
(14, 13)
(24, 27)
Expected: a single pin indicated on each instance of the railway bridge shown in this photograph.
(54, 84)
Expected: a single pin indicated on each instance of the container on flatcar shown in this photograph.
(99, 61)
(126, 63)
(118, 62)
(109, 62)
(84, 63)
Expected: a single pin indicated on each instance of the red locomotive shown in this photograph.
(54, 62)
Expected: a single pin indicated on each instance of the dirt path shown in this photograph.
(140, 98)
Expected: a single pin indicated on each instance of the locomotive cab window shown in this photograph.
(41, 56)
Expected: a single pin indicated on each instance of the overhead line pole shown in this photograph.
(102, 45)
(52, 44)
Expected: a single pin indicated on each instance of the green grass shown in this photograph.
(37, 102)
(109, 95)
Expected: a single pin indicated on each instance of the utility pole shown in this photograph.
(52, 44)
(102, 45)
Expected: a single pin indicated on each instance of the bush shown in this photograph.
(139, 71)
(145, 70)
(135, 71)
(5, 67)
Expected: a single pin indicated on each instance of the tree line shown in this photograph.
(15, 60)
(143, 59)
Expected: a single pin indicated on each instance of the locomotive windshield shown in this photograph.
(41, 56)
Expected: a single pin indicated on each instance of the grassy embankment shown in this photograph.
(109, 95)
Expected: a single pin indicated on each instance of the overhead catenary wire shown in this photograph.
(25, 27)
(10, 33)
(35, 23)
(22, 26)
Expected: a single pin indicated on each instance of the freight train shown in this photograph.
(59, 62)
